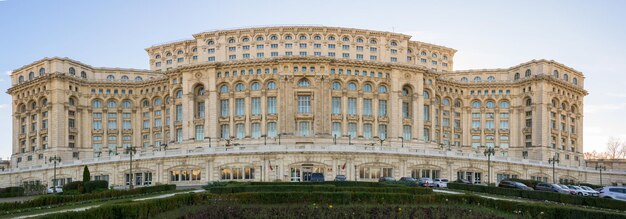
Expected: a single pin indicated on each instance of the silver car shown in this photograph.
(578, 190)
(426, 182)
(591, 191)
(613, 192)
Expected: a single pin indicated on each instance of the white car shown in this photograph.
(440, 182)
(579, 191)
(591, 191)
(58, 189)
(614, 192)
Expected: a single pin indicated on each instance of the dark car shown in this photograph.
(386, 179)
(317, 177)
(408, 179)
(548, 187)
(464, 181)
(341, 178)
(513, 185)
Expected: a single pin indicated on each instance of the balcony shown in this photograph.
(490, 131)
(73, 130)
(528, 130)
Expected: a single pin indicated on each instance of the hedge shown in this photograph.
(335, 183)
(318, 188)
(340, 201)
(11, 192)
(91, 186)
(47, 200)
(542, 195)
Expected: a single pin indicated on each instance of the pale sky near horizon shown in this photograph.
(585, 35)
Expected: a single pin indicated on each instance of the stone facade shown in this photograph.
(277, 103)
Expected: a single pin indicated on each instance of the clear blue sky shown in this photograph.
(586, 35)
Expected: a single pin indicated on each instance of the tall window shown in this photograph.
(405, 110)
(271, 105)
(240, 109)
(336, 105)
(304, 128)
(382, 108)
(240, 130)
(271, 129)
(426, 135)
(179, 135)
(225, 131)
(406, 132)
(336, 129)
(426, 113)
(367, 107)
(179, 112)
(352, 129)
(224, 108)
(304, 104)
(256, 130)
(199, 132)
(367, 131)
(352, 106)
(256, 106)
(201, 111)
(382, 131)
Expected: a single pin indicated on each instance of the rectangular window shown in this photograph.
(336, 129)
(179, 135)
(352, 129)
(336, 105)
(201, 112)
(304, 128)
(259, 46)
(382, 108)
(199, 133)
(274, 46)
(373, 58)
(256, 106)
(240, 130)
(179, 113)
(406, 132)
(256, 130)
(224, 108)
(475, 124)
(367, 131)
(225, 131)
(260, 55)
(240, 107)
(405, 110)
(367, 107)
(271, 105)
(271, 129)
(504, 124)
(304, 104)
(382, 131)
(351, 106)
(212, 59)
(274, 54)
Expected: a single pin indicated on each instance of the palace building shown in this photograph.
(281, 103)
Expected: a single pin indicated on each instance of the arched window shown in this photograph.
(504, 104)
(42, 71)
(367, 88)
(138, 78)
(426, 95)
(490, 104)
(239, 87)
(288, 37)
(464, 79)
(434, 55)
(373, 41)
(110, 78)
(394, 43)
(194, 50)
(564, 106)
(210, 42)
(331, 38)
(200, 91)
(555, 73)
(516, 77)
(259, 38)
(255, 86)
(126, 104)
(157, 56)
(146, 103)
(406, 92)
(409, 51)
(83, 74)
(382, 89)
(302, 37)
(224, 89)
(423, 53)
(179, 52)
(303, 83)
(491, 78)
(96, 104)
(271, 85)
(273, 37)
(44, 102)
(317, 37)
(351, 86)
(574, 109)
(168, 54)
(33, 105)
(72, 102)
(565, 77)
(446, 102)
(72, 71)
(179, 94)
(554, 103)
(345, 39)
(457, 103)
(158, 101)
(31, 75)
(245, 39)
(575, 81)
(231, 40)
(528, 73)
(477, 79)
(529, 102)
(476, 104)
(111, 104)
(20, 79)
(336, 86)
(445, 57)
(124, 78)
(359, 40)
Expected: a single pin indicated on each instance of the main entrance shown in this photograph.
(303, 172)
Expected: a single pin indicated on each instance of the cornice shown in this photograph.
(525, 64)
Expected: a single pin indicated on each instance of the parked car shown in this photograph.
(591, 191)
(548, 187)
(341, 178)
(613, 192)
(440, 182)
(426, 182)
(59, 189)
(513, 185)
(569, 191)
(386, 179)
(578, 190)
(464, 181)
(407, 179)
(317, 177)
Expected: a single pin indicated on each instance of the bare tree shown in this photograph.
(615, 148)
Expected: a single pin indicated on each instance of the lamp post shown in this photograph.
(489, 151)
(209, 140)
(279, 138)
(164, 146)
(402, 139)
(335, 139)
(265, 139)
(130, 151)
(349, 139)
(600, 168)
(381, 141)
(55, 159)
(554, 160)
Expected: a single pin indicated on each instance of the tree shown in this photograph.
(615, 148)
(86, 175)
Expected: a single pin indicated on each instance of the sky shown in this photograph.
(585, 35)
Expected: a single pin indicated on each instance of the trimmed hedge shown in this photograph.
(318, 188)
(73, 188)
(527, 182)
(47, 200)
(91, 186)
(335, 183)
(152, 208)
(11, 192)
(541, 195)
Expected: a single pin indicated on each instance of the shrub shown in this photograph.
(92, 186)
(76, 185)
(541, 195)
(86, 174)
(11, 192)
(317, 188)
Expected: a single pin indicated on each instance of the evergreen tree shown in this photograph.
(86, 175)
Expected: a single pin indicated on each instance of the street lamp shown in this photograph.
(601, 168)
(55, 159)
(335, 139)
(163, 146)
(489, 151)
(381, 141)
(131, 150)
(402, 139)
(265, 139)
(349, 139)
(554, 160)
(279, 138)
